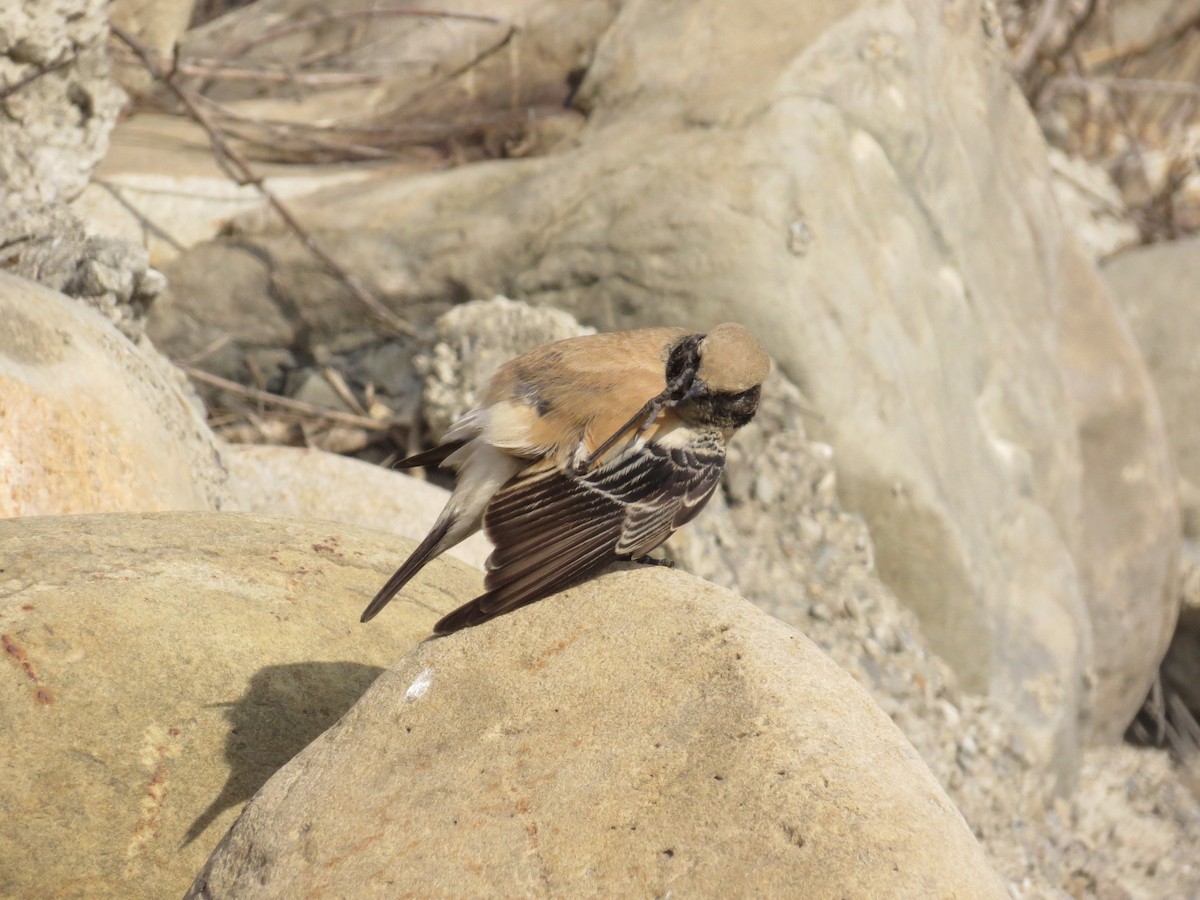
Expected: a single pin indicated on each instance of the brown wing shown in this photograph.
(554, 528)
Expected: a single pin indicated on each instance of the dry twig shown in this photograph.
(310, 410)
(237, 168)
(291, 28)
(335, 380)
(219, 70)
(1037, 36)
(1127, 85)
(1106, 56)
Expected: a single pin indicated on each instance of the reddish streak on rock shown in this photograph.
(554, 649)
(42, 695)
(28, 607)
(156, 790)
(11, 647)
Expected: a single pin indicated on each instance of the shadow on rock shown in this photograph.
(282, 711)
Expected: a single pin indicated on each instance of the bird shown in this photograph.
(585, 452)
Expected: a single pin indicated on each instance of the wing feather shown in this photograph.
(553, 528)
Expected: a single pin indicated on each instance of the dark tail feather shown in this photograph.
(464, 617)
(483, 608)
(434, 457)
(423, 554)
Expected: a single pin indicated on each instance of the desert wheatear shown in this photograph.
(585, 452)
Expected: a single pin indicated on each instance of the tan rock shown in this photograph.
(645, 734)
(89, 422)
(313, 484)
(158, 668)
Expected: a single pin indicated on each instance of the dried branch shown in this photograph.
(282, 139)
(335, 380)
(324, 18)
(1037, 36)
(218, 70)
(237, 168)
(306, 135)
(471, 63)
(1128, 85)
(297, 406)
(1106, 56)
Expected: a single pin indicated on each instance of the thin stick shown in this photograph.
(1104, 56)
(305, 24)
(215, 69)
(299, 406)
(237, 168)
(1041, 29)
(1128, 85)
(335, 380)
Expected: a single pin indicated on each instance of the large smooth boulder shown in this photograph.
(157, 669)
(89, 421)
(865, 187)
(644, 734)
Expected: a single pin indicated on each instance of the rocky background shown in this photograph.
(254, 252)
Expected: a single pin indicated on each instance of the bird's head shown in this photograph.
(715, 378)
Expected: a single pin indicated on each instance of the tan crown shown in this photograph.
(732, 359)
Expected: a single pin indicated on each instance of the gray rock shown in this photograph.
(645, 733)
(1158, 290)
(312, 387)
(475, 339)
(59, 102)
(245, 314)
(49, 244)
(227, 309)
